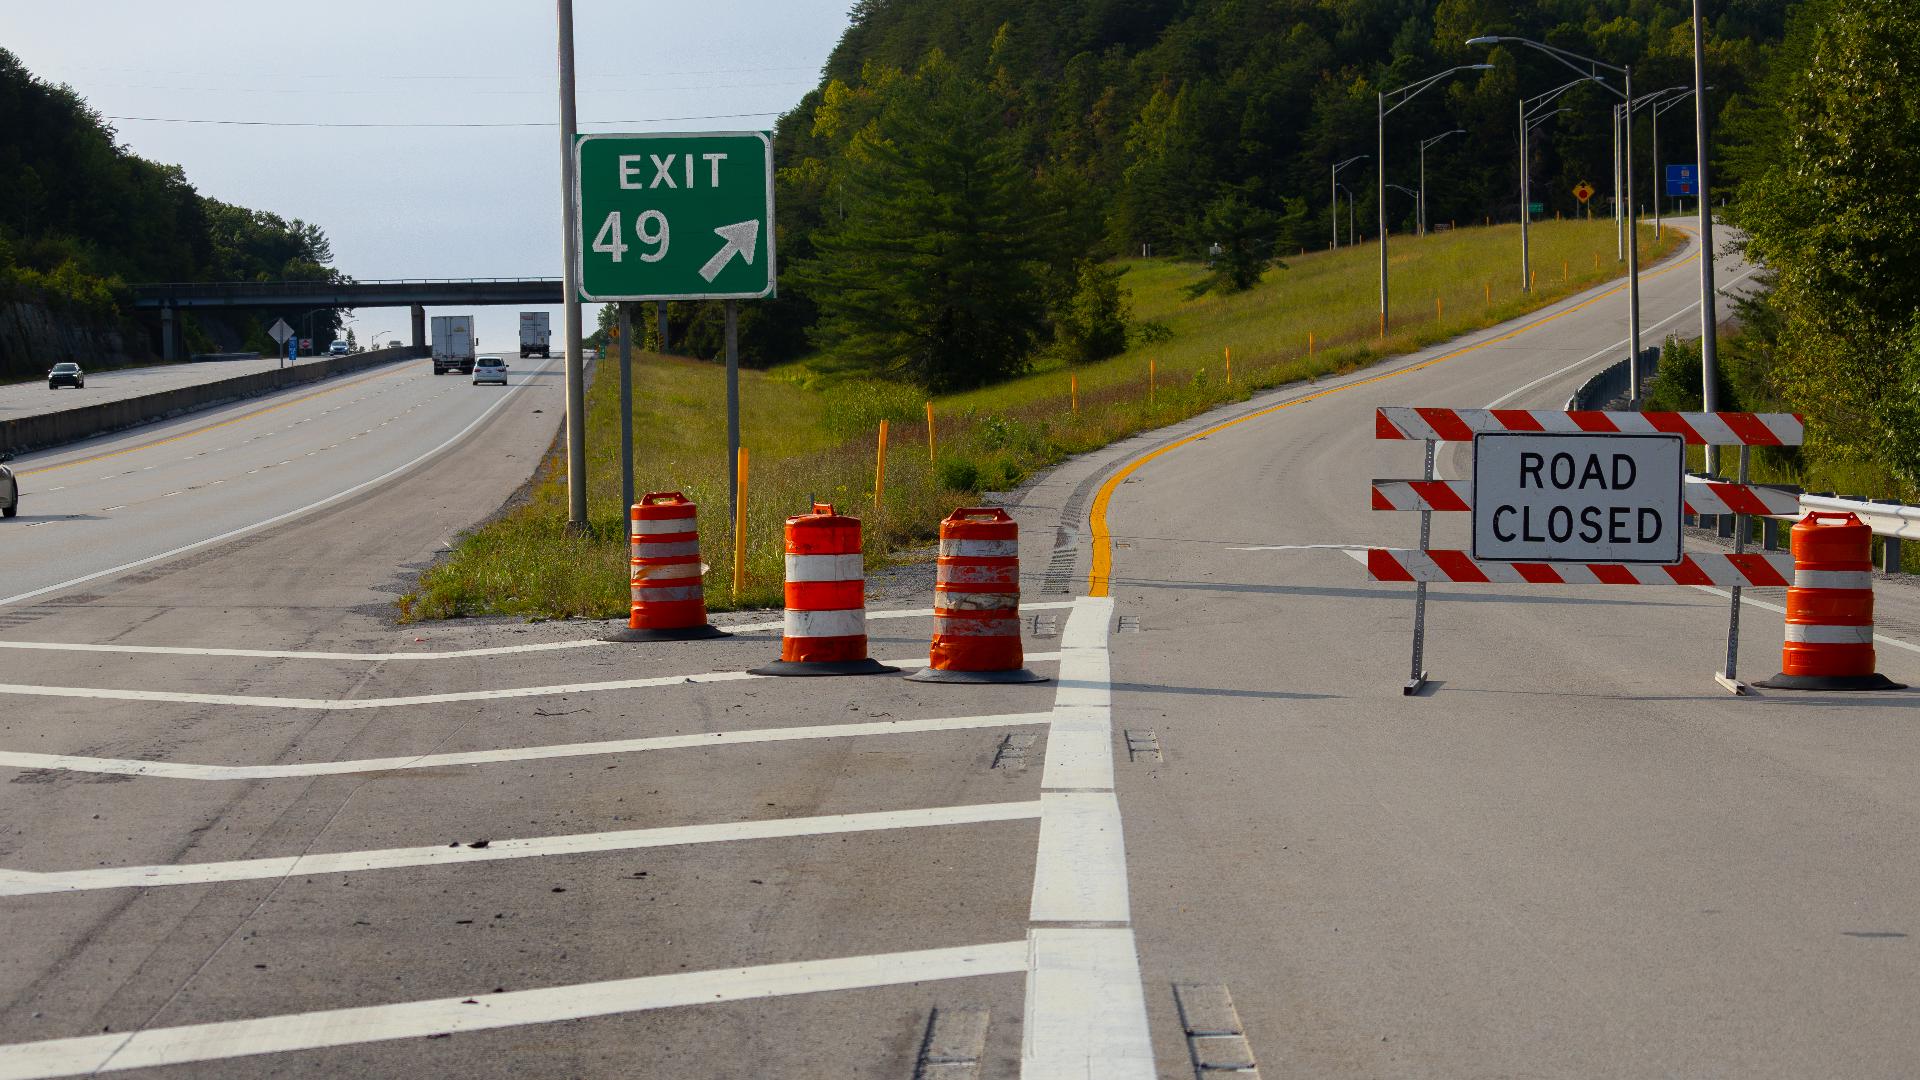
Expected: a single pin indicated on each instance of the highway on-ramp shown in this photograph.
(252, 827)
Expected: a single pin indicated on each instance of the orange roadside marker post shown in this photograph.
(826, 623)
(1073, 388)
(1229, 354)
(932, 457)
(976, 601)
(663, 572)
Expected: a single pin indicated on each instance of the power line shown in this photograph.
(470, 124)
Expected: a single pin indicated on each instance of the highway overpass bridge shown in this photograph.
(415, 293)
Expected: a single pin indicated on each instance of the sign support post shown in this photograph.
(626, 404)
(733, 405)
(1417, 676)
(1730, 678)
(570, 304)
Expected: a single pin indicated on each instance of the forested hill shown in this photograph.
(1173, 122)
(81, 215)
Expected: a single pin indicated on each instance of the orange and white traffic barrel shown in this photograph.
(976, 601)
(1829, 643)
(668, 603)
(826, 623)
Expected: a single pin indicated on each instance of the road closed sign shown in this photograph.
(1577, 498)
(675, 216)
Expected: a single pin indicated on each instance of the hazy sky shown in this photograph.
(416, 201)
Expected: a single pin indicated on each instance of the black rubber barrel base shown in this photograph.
(684, 633)
(1017, 675)
(1875, 681)
(824, 667)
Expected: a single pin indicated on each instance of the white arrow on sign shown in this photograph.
(743, 238)
(281, 331)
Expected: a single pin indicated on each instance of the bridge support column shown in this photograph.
(169, 334)
(419, 326)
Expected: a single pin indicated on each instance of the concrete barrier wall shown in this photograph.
(72, 425)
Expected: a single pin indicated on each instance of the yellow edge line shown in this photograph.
(204, 430)
(1102, 568)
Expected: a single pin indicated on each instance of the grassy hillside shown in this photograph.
(813, 438)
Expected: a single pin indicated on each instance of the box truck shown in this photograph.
(453, 344)
(534, 334)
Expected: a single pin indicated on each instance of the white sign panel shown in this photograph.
(1577, 498)
(280, 331)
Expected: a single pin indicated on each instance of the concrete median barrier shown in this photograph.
(73, 425)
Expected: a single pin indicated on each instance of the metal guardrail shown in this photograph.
(1884, 516)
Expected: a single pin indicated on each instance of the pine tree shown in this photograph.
(934, 273)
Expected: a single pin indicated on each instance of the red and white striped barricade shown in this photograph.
(826, 625)
(664, 571)
(1608, 489)
(1829, 635)
(976, 601)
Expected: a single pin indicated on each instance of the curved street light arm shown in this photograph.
(1540, 101)
(1572, 60)
(1412, 90)
(1424, 143)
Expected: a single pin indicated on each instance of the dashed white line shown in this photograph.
(175, 770)
(88, 1054)
(25, 883)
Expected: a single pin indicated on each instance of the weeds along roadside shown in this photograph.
(815, 441)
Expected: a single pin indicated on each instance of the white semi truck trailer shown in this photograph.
(453, 344)
(535, 334)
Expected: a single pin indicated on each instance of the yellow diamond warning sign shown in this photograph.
(1583, 191)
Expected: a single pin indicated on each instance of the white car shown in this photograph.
(9, 488)
(339, 347)
(489, 369)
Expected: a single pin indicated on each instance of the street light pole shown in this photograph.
(1526, 205)
(1424, 143)
(1709, 315)
(569, 246)
(1404, 94)
(1575, 60)
(1333, 189)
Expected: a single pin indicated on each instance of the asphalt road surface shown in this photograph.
(33, 398)
(253, 828)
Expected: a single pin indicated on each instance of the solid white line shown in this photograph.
(25, 882)
(481, 1011)
(175, 770)
(1086, 1009)
(354, 704)
(448, 654)
(277, 518)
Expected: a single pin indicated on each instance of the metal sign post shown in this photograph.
(1417, 674)
(1730, 678)
(626, 405)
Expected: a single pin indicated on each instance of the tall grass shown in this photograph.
(812, 439)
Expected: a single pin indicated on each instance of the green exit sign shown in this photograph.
(675, 216)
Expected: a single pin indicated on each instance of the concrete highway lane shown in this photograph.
(1577, 856)
(114, 502)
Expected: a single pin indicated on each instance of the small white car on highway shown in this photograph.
(489, 369)
(9, 488)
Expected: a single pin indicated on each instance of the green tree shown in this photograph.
(934, 273)
(1836, 221)
(1092, 325)
(1244, 236)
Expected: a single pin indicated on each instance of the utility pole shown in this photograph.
(1526, 213)
(570, 248)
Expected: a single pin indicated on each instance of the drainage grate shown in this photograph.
(1143, 746)
(1215, 1040)
(1014, 750)
(1044, 624)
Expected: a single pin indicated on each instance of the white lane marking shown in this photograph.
(1086, 1014)
(1764, 606)
(448, 654)
(497, 405)
(1086, 1009)
(352, 704)
(482, 1011)
(1304, 547)
(26, 882)
(175, 770)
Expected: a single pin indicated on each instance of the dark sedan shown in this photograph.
(66, 375)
